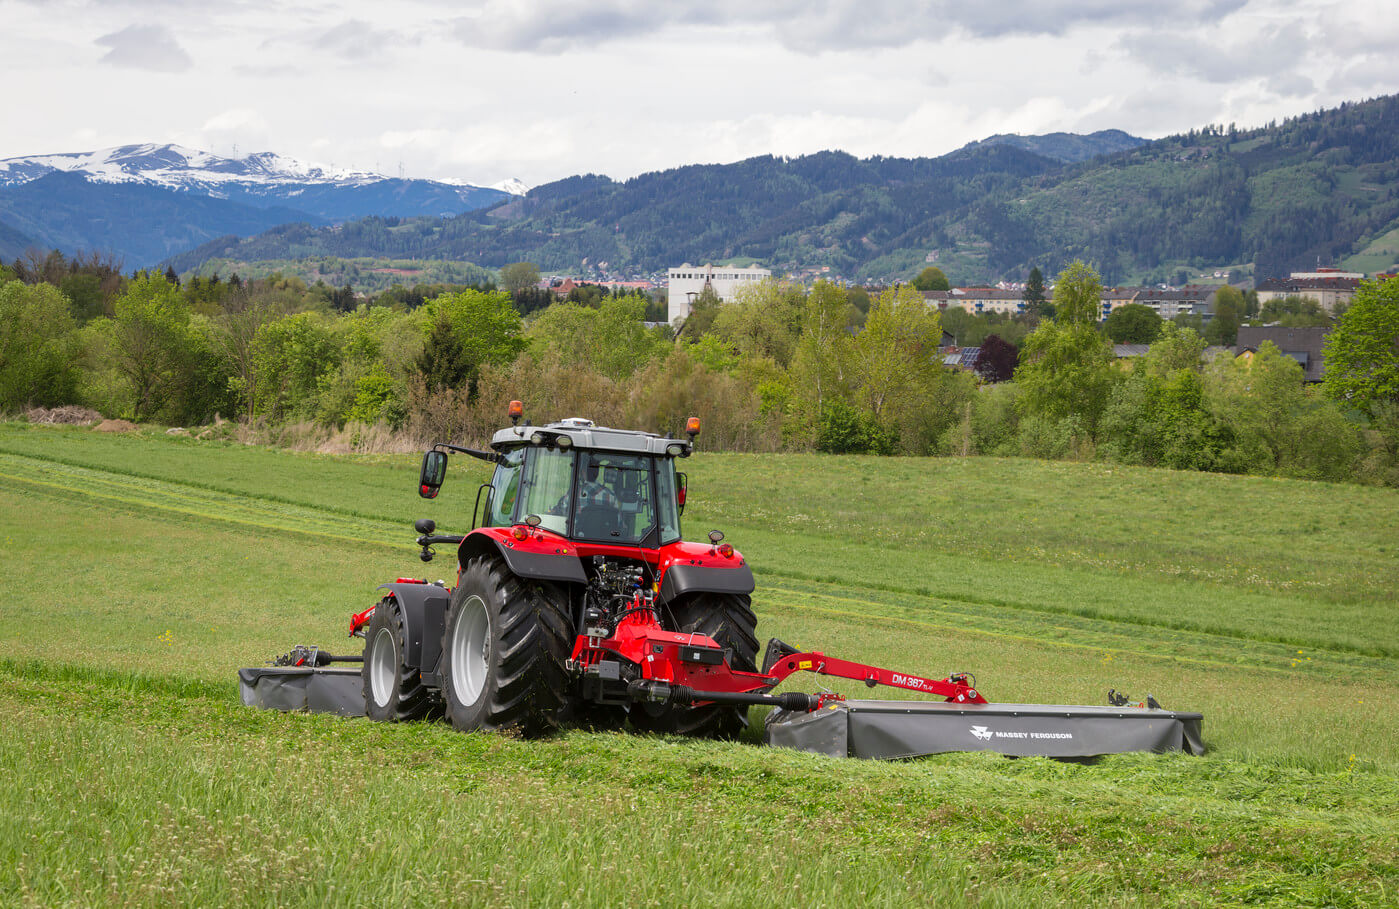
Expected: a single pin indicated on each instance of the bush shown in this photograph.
(844, 430)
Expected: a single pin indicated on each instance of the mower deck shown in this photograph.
(881, 730)
(325, 690)
(903, 729)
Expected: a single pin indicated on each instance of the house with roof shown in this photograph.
(1329, 287)
(1301, 344)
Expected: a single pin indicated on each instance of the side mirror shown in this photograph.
(433, 473)
(682, 483)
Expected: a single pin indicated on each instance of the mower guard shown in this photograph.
(324, 690)
(890, 730)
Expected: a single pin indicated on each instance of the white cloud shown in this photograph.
(149, 47)
(542, 89)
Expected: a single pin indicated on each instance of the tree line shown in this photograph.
(781, 367)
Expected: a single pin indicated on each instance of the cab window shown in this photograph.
(505, 488)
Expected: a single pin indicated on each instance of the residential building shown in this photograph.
(984, 299)
(688, 281)
(1301, 344)
(1193, 299)
(1327, 286)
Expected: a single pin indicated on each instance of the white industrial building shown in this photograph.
(688, 281)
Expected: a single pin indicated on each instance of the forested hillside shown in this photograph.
(1320, 186)
(1067, 147)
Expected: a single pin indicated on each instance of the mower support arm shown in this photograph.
(955, 688)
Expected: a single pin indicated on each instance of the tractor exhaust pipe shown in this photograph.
(665, 693)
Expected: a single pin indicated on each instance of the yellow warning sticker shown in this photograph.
(804, 664)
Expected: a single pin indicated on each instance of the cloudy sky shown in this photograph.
(541, 89)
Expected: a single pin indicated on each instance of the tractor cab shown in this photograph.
(583, 482)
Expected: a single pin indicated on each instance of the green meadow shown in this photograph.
(144, 570)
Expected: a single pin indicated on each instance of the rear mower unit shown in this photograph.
(577, 602)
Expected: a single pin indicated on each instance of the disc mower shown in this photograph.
(575, 601)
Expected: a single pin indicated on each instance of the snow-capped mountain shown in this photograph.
(72, 201)
(513, 186)
(178, 167)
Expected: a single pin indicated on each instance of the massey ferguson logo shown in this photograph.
(983, 734)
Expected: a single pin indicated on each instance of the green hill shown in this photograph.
(1319, 186)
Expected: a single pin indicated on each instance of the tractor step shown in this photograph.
(890, 730)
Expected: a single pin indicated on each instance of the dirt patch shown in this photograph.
(69, 415)
(116, 426)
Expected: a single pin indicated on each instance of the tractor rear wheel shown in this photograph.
(727, 618)
(392, 691)
(504, 646)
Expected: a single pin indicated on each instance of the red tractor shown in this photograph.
(577, 601)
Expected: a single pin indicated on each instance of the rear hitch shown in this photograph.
(666, 693)
(312, 656)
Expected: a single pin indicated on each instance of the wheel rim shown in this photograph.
(383, 673)
(471, 646)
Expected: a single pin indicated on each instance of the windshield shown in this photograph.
(547, 484)
(615, 500)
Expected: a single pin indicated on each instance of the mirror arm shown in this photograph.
(494, 457)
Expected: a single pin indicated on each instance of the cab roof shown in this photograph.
(584, 433)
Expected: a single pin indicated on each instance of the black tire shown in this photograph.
(504, 646)
(393, 692)
(727, 618)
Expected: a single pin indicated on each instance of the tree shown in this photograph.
(931, 278)
(38, 347)
(703, 311)
(464, 332)
(1286, 430)
(1175, 348)
(292, 356)
(1293, 312)
(1362, 352)
(821, 361)
(1066, 367)
(897, 349)
(612, 339)
(764, 319)
(1132, 324)
(997, 360)
(1034, 293)
(1078, 295)
(519, 276)
(1223, 329)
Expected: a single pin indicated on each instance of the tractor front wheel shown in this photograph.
(727, 618)
(392, 691)
(504, 646)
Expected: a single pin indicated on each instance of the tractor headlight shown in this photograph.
(564, 442)
(675, 449)
(537, 438)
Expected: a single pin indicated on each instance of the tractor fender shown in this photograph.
(679, 580)
(424, 610)
(537, 559)
(696, 568)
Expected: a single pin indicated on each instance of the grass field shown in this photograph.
(145, 570)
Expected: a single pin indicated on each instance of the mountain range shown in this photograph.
(1319, 188)
(143, 203)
